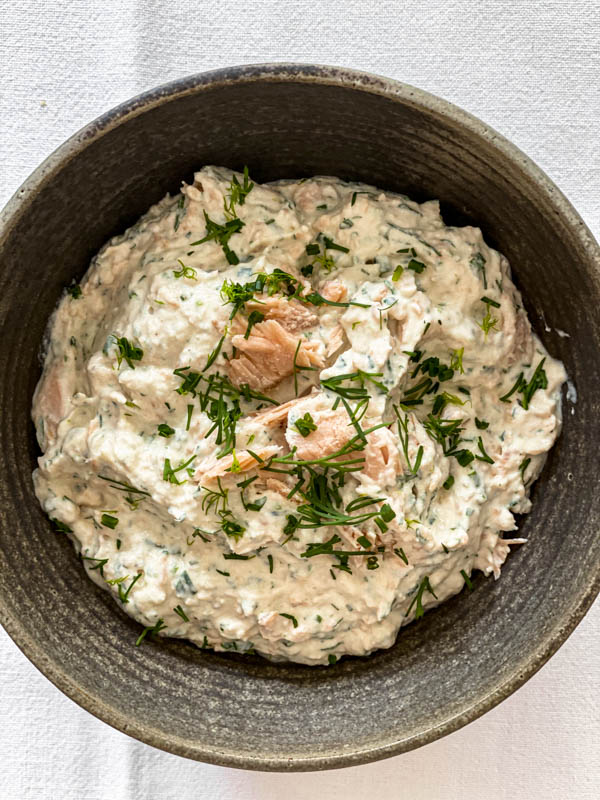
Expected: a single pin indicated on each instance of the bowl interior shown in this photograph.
(460, 659)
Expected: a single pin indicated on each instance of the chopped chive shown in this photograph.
(467, 579)
(74, 291)
(61, 527)
(484, 456)
(490, 302)
(124, 594)
(424, 586)
(152, 630)
(522, 467)
(165, 430)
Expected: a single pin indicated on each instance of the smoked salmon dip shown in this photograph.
(289, 418)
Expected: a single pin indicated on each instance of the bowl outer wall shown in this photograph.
(462, 659)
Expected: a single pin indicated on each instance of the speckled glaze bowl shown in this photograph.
(460, 660)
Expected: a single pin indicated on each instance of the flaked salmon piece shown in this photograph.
(275, 485)
(493, 551)
(522, 340)
(267, 355)
(333, 432)
(308, 196)
(212, 468)
(206, 190)
(335, 291)
(291, 314)
(270, 417)
(51, 402)
(382, 460)
(335, 341)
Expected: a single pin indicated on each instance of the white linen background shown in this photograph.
(531, 70)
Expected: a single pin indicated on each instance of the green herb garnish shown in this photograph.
(232, 528)
(165, 430)
(539, 380)
(456, 360)
(354, 392)
(416, 266)
(180, 612)
(237, 194)
(424, 586)
(516, 387)
(99, 563)
(170, 473)
(304, 425)
(316, 299)
(467, 580)
(522, 467)
(488, 322)
(489, 302)
(109, 521)
(237, 557)
(152, 631)
(484, 456)
(127, 352)
(61, 527)
(178, 214)
(74, 291)
(403, 436)
(444, 399)
(253, 318)
(123, 487)
(124, 594)
(447, 434)
(290, 617)
(185, 272)
(354, 194)
(221, 234)
(478, 264)
(331, 245)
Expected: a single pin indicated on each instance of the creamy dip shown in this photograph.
(289, 418)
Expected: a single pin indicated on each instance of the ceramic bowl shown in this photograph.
(460, 660)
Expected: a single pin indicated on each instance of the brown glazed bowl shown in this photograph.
(460, 660)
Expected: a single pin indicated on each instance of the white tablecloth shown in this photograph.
(530, 69)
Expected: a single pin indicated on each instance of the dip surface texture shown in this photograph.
(290, 418)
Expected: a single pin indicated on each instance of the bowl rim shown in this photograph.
(393, 90)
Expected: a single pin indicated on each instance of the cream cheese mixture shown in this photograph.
(289, 418)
